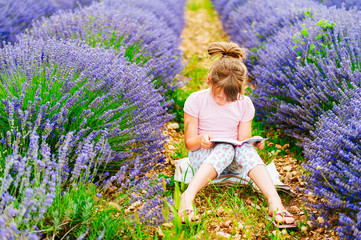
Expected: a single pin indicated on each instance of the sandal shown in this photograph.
(283, 214)
(190, 216)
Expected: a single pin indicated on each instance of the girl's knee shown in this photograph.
(255, 166)
(247, 156)
(246, 149)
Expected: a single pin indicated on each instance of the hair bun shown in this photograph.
(226, 49)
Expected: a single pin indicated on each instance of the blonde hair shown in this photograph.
(228, 72)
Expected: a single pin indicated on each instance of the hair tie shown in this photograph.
(224, 55)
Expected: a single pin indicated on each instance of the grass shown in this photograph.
(80, 210)
(238, 211)
(195, 5)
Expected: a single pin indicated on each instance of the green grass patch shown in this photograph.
(195, 5)
(239, 211)
(78, 211)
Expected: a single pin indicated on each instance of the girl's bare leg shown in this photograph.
(262, 179)
(203, 176)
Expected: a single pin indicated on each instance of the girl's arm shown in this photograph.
(245, 132)
(192, 140)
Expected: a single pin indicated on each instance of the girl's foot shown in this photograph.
(278, 212)
(186, 208)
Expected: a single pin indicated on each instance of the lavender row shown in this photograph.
(84, 112)
(148, 30)
(334, 155)
(18, 15)
(315, 69)
(104, 109)
(77, 87)
(253, 24)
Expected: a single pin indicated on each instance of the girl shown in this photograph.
(221, 111)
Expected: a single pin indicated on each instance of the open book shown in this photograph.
(236, 142)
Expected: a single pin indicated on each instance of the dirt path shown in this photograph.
(202, 28)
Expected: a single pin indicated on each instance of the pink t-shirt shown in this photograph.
(219, 121)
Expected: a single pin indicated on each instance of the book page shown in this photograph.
(236, 142)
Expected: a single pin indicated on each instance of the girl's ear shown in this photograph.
(208, 80)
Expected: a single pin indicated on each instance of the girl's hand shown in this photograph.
(205, 143)
(259, 145)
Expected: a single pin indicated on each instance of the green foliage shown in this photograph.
(241, 204)
(179, 97)
(78, 211)
(96, 39)
(314, 52)
(132, 52)
(181, 152)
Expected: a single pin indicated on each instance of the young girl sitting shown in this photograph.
(221, 111)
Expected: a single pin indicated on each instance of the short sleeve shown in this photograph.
(248, 109)
(191, 106)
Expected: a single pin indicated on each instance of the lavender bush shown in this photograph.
(92, 112)
(82, 89)
(147, 39)
(33, 185)
(334, 157)
(163, 10)
(18, 15)
(229, 7)
(252, 23)
(74, 113)
(318, 60)
(225, 7)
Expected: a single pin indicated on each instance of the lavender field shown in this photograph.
(89, 87)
